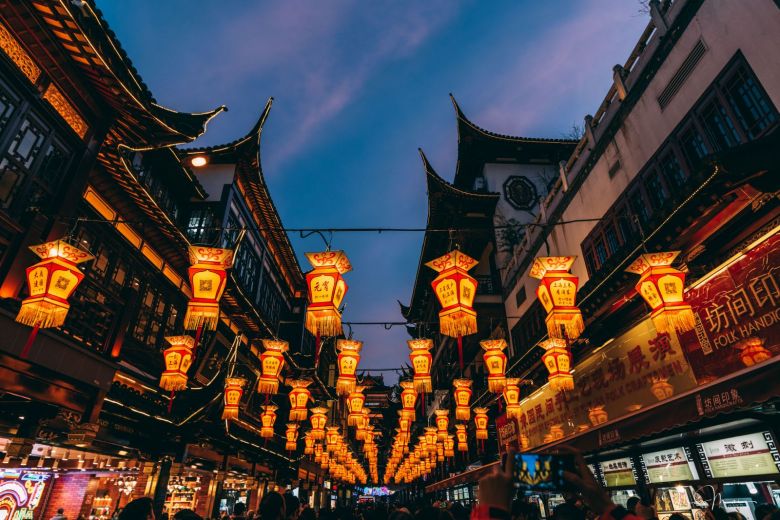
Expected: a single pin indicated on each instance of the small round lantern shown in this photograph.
(752, 351)
(557, 293)
(178, 358)
(511, 395)
(597, 415)
(556, 430)
(267, 420)
(348, 359)
(271, 362)
(234, 389)
(299, 399)
(495, 362)
(557, 359)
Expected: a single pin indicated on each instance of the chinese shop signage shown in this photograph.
(670, 465)
(506, 430)
(618, 472)
(633, 371)
(746, 455)
(21, 493)
(737, 315)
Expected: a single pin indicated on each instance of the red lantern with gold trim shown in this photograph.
(405, 420)
(326, 291)
(271, 363)
(481, 422)
(267, 420)
(178, 358)
(663, 288)
(348, 359)
(355, 402)
(319, 418)
(408, 398)
(597, 415)
(299, 399)
(208, 278)
(420, 356)
(511, 395)
(291, 437)
(234, 389)
(50, 283)
(308, 445)
(557, 293)
(442, 423)
(462, 436)
(661, 388)
(557, 359)
(462, 394)
(495, 362)
(752, 351)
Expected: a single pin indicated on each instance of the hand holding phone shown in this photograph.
(541, 471)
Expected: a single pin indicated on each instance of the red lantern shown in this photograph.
(267, 420)
(348, 359)
(752, 351)
(556, 430)
(332, 438)
(208, 278)
(355, 403)
(512, 397)
(234, 389)
(421, 359)
(291, 437)
(495, 362)
(405, 420)
(271, 362)
(408, 398)
(557, 359)
(442, 423)
(662, 286)
(308, 445)
(463, 437)
(481, 422)
(178, 358)
(319, 417)
(449, 446)
(462, 394)
(326, 290)
(299, 399)
(50, 283)
(597, 415)
(661, 388)
(558, 294)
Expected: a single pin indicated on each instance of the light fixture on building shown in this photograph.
(199, 161)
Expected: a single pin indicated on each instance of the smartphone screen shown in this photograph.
(541, 471)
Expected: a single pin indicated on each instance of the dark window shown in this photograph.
(590, 261)
(639, 208)
(750, 103)
(601, 250)
(611, 235)
(247, 268)
(625, 222)
(655, 189)
(520, 296)
(200, 227)
(672, 171)
(8, 104)
(718, 125)
(694, 148)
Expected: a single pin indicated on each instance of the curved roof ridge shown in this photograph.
(252, 135)
(435, 177)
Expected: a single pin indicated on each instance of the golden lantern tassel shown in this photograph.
(42, 315)
(668, 320)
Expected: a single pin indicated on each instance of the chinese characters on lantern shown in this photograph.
(557, 293)
(208, 278)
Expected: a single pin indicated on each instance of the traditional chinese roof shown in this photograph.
(477, 146)
(467, 213)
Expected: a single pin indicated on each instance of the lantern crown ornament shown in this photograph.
(208, 278)
(557, 293)
(178, 358)
(557, 359)
(234, 389)
(50, 283)
(420, 356)
(267, 420)
(455, 289)
(495, 362)
(663, 288)
(271, 363)
(326, 290)
(461, 392)
(299, 397)
(347, 361)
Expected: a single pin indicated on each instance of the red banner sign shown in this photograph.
(507, 433)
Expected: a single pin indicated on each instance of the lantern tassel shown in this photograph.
(29, 343)
(173, 382)
(267, 387)
(460, 352)
(297, 414)
(42, 314)
(680, 319)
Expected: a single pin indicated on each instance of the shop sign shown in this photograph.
(670, 465)
(618, 472)
(710, 403)
(620, 378)
(21, 493)
(742, 456)
(506, 430)
(738, 304)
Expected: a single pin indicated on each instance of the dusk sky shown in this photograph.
(358, 87)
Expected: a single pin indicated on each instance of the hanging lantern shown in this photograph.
(325, 460)
(662, 286)
(463, 437)
(405, 420)
(597, 415)
(481, 422)
(317, 453)
(234, 389)
(752, 351)
(355, 405)
(662, 388)
(462, 394)
(558, 294)
(208, 278)
(408, 398)
(332, 438)
(326, 290)
(319, 417)
(495, 362)
(267, 420)
(547, 438)
(440, 452)
(271, 362)
(178, 358)
(442, 423)
(50, 283)
(299, 399)
(361, 423)
(291, 437)
(557, 359)
(431, 436)
(556, 430)
(511, 395)
(348, 359)
(449, 446)
(420, 356)
(308, 445)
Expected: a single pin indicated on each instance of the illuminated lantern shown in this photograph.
(405, 420)
(234, 389)
(481, 422)
(326, 290)
(267, 420)
(348, 359)
(325, 460)
(178, 358)
(317, 453)
(662, 286)
(449, 446)
(462, 394)
(495, 362)
(299, 399)
(662, 388)
(440, 452)
(455, 290)
(557, 292)
(431, 436)
(442, 423)
(308, 448)
(597, 415)
(547, 438)
(271, 362)
(512, 397)
(557, 359)
(463, 437)
(361, 423)
(319, 417)
(420, 356)
(556, 430)
(50, 283)
(291, 436)
(583, 427)
(355, 405)
(208, 277)
(332, 438)
(408, 398)
(752, 351)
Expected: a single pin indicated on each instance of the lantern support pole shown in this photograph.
(29, 343)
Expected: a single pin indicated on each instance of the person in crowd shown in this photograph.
(186, 514)
(733, 515)
(292, 506)
(307, 514)
(764, 511)
(459, 512)
(631, 504)
(402, 513)
(139, 509)
(223, 515)
(272, 507)
(60, 515)
(239, 511)
(676, 516)
(568, 511)
(522, 510)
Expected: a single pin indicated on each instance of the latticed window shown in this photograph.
(719, 126)
(749, 102)
(672, 171)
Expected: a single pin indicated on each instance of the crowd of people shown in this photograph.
(497, 500)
